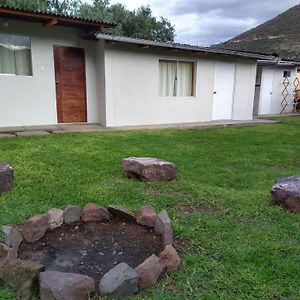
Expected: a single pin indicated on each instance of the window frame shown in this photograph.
(31, 60)
(194, 74)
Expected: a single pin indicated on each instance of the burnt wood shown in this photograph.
(70, 82)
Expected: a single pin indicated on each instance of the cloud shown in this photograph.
(206, 22)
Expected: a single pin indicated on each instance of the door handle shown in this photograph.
(215, 93)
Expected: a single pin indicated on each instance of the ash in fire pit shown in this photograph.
(74, 254)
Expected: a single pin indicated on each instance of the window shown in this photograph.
(15, 55)
(176, 78)
(286, 74)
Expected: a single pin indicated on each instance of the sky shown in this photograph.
(207, 22)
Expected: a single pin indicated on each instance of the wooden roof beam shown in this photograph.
(51, 23)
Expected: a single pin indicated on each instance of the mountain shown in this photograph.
(280, 35)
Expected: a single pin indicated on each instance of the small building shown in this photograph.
(58, 69)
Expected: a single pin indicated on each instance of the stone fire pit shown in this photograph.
(79, 253)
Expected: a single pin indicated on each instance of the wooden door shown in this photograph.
(70, 81)
(223, 91)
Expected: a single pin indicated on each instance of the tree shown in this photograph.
(139, 23)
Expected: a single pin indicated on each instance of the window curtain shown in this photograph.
(7, 57)
(185, 79)
(23, 62)
(167, 73)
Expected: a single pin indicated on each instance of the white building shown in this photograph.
(55, 69)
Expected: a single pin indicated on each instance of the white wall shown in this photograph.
(132, 88)
(31, 100)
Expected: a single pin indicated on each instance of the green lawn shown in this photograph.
(241, 248)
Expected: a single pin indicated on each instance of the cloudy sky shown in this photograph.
(206, 22)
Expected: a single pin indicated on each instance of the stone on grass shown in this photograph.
(149, 169)
(170, 258)
(167, 236)
(286, 192)
(35, 228)
(65, 286)
(12, 237)
(162, 221)
(121, 281)
(7, 254)
(6, 178)
(72, 214)
(22, 277)
(149, 271)
(146, 215)
(56, 217)
(94, 213)
(121, 212)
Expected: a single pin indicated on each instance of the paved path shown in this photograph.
(62, 128)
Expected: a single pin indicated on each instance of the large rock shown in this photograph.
(65, 286)
(7, 254)
(12, 237)
(146, 215)
(149, 271)
(121, 281)
(162, 222)
(149, 169)
(56, 217)
(121, 212)
(94, 213)
(35, 228)
(6, 178)
(72, 214)
(22, 277)
(170, 258)
(286, 192)
(167, 236)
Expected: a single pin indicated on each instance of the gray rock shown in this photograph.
(65, 286)
(167, 236)
(149, 169)
(6, 178)
(121, 212)
(12, 237)
(56, 217)
(94, 213)
(146, 216)
(149, 271)
(121, 281)
(7, 254)
(35, 228)
(22, 277)
(286, 192)
(162, 221)
(72, 214)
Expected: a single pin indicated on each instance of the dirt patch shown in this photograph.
(93, 249)
(152, 192)
(186, 209)
(183, 246)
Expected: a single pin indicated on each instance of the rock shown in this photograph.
(65, 286)
(170, 258)
(72, 214)
(6, 178)
(149, 169)
(121, 212)
(7, 254)
(121, 281)
(149, 271)
(35, 228)
(286, 192)
(146, 216)
(94, 213)
(22, 277)
(12, 237)
(56, 217)
(167, 236)
(162, 221)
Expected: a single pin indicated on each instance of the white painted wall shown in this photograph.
(132, 88)
(272, 87)
(32, 100)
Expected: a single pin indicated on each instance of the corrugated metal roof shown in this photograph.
(182, 46)
(53, 14)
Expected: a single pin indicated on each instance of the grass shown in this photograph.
(242, 249)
